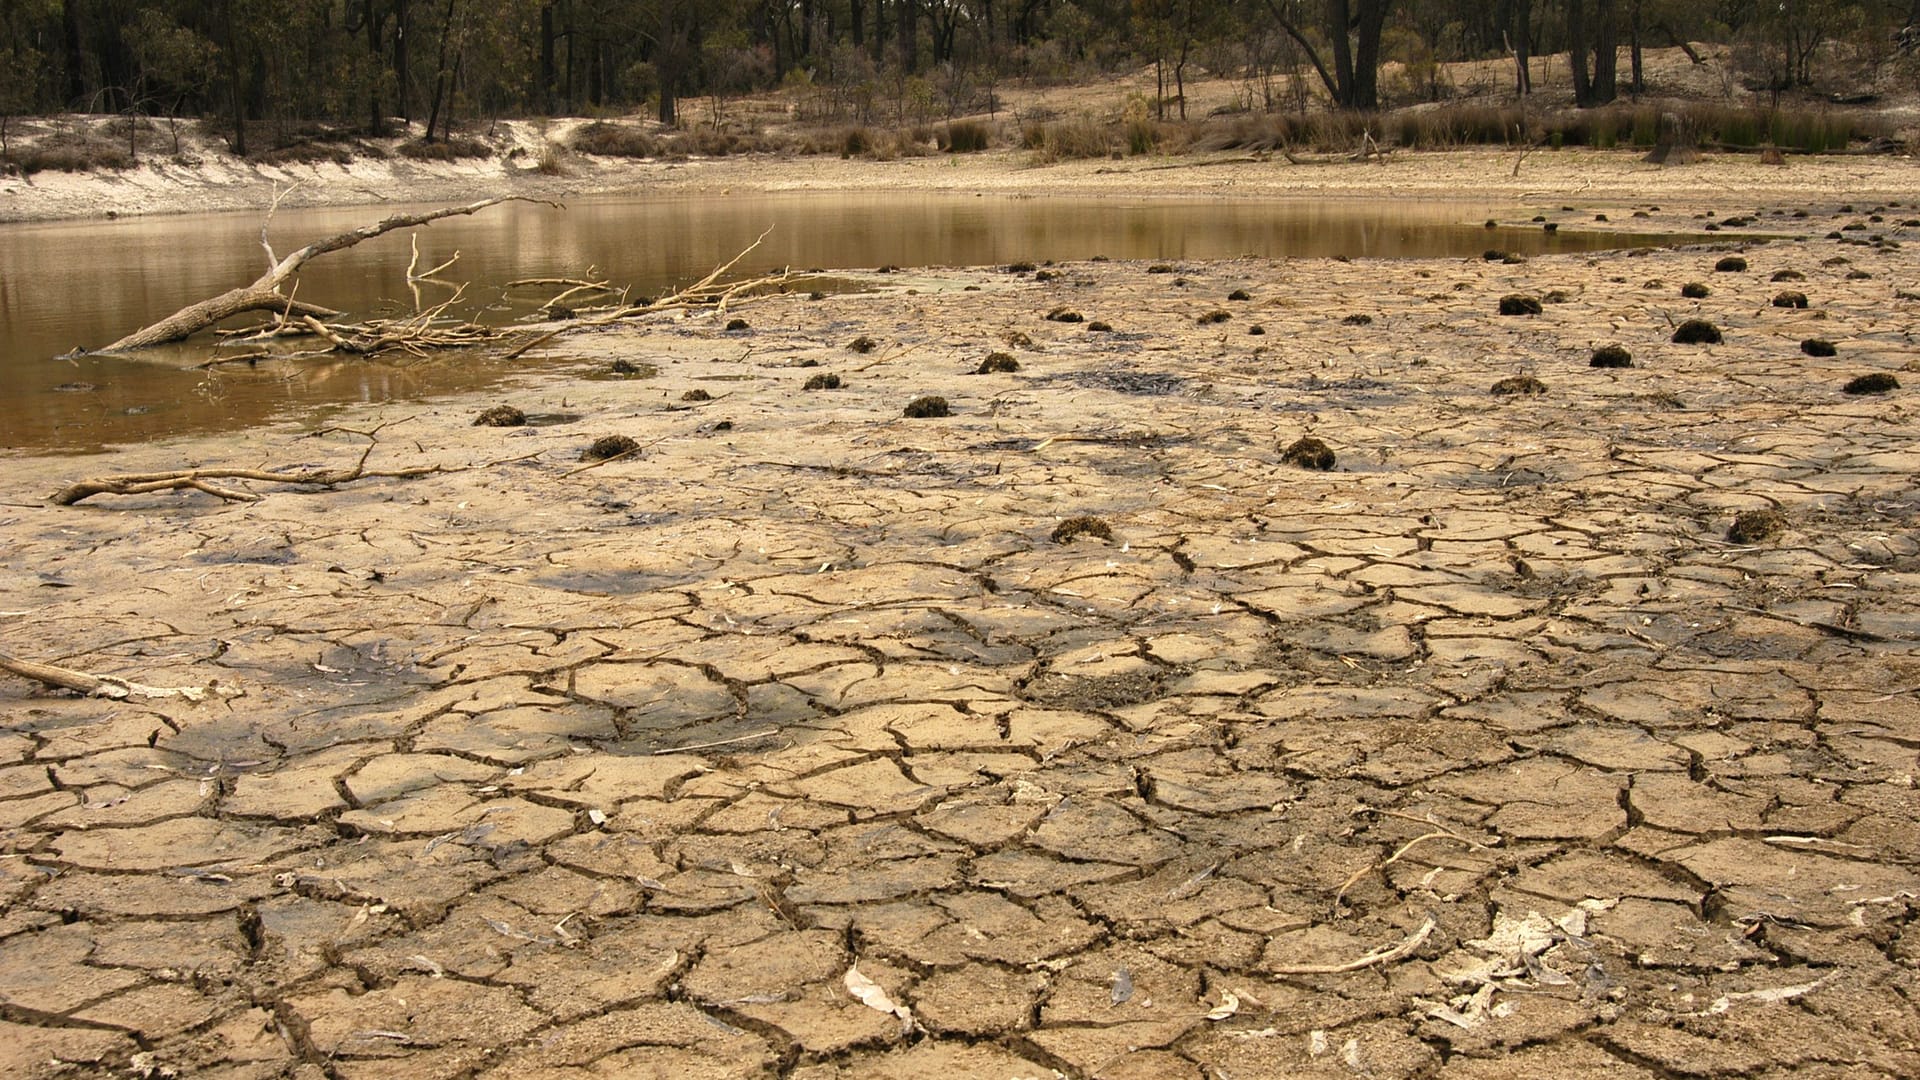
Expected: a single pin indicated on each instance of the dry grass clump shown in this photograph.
(1083, 525)
(613, 140)
(1308, 452)
(609, 446)
(862, 344)
(1696, 332)
(1517, 304)
(1358, 319)
(1610, 356)
(922, 408)
(966, 137)
(1877, 383)
(1753, 526)
(1790, 299)
(696, 394)
(1212, 317)
(1519, 384)
(445, 149)
(1066, 315)
(996, 363)
(1239, 294)
(1693, 290)
(500, 416)
(822, 381)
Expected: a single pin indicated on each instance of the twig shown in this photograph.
(718, 742)
(1378, 956)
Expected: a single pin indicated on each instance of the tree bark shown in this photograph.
(264, 293)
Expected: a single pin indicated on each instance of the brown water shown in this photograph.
(86, 283)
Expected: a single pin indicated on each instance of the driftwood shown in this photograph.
(203, 479)
(109, 686)
(264, 293)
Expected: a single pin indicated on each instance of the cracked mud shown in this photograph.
(800, 748)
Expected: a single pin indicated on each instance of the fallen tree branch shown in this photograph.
(264, 294)
(108, 686)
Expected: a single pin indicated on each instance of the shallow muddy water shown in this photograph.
(83, 284)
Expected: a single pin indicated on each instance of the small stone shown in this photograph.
(1814, 346)
(1732, 264)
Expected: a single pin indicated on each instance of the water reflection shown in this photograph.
(86, 283)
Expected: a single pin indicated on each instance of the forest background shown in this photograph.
(304, 77)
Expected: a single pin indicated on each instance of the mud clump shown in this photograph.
(1753, 526)
(1084, 525)
(696, 394)
(822, 381)
(1790, 299)
(1610, 356)
(1877, 383)
(922, 408)
(1696, 332)
(1693, 290)
(1519, 384)
(1814, 346)
(862, 344)
(609, 446)
(500, 416)
(1212, 317)
(1308, 452)
(1066, 315)
(1732, 264)
(996, 363)
(1516, 304)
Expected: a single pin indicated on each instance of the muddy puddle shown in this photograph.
(81, 284)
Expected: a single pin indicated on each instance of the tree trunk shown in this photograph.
(909, 35)
(401, 50)
(440, 71)
(264, 293)
(546, 59)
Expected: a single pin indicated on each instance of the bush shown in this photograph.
(612, 140)
(445, 149)
(965, 137)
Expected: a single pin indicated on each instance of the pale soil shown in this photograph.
(1493, 713)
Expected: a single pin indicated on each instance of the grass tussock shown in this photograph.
(603, 139)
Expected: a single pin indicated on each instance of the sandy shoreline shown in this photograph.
(1487, 752)
(1599, 178)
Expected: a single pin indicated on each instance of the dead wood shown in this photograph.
(64, 678)
(264, 293)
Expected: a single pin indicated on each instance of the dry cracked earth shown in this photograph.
(799, 747)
